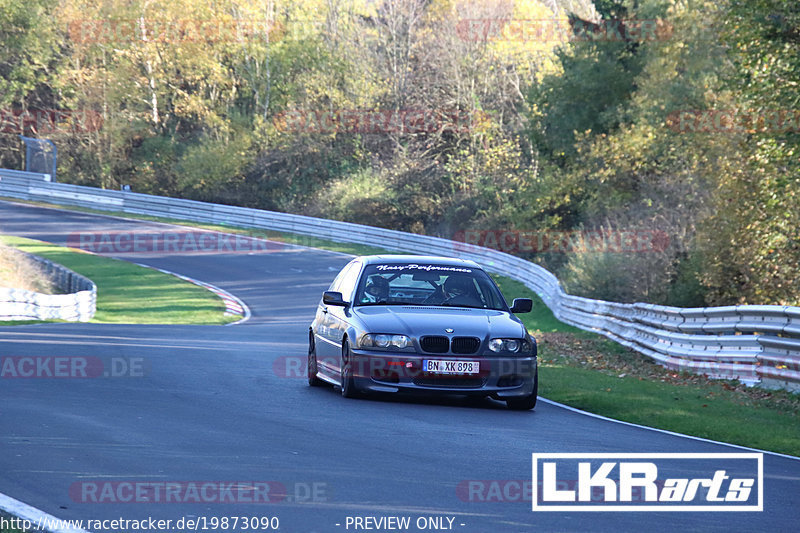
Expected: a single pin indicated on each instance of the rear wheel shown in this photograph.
(349, 389)
(526, 403)
(313, 380)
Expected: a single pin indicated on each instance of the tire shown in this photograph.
(349, 389)
(313, 380)
(528, 402)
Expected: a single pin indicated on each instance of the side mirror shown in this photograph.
(522, 305)
(333, 298)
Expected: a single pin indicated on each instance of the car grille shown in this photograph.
(450, 382)
(465, 345)
(434, 344)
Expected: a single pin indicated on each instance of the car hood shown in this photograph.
(416, 321)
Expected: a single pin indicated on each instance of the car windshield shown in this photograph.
(428, 284)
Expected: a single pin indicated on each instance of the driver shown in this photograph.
(460, 290)
(377, 288)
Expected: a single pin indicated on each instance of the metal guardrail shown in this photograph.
(22, 174)
(77, 305)
(751, 343)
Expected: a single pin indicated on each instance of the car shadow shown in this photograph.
(441, 399)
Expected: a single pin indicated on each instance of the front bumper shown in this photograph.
(502, 377)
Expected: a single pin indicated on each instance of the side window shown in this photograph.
(337, 281)
(348, 282)
(341, 282)
(491, 293)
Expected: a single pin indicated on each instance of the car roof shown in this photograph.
(417, 259)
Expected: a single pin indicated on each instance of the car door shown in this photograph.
(339, 317)
(328, 343)
(322, 338)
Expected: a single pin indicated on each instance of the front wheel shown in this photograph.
(349, 389)
(313, 380)
(526, 403)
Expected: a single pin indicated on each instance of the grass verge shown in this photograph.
(590, 372)
(130, 294)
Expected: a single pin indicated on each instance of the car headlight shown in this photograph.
(496, 345)
(510, 346)
(384, 341)
(400, 341)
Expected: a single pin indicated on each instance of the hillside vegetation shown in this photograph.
(675, 122)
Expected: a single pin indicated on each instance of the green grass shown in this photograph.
(706, 410)
(590, 372)
(130, 294)
(541, 318)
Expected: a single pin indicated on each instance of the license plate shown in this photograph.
(451, 367)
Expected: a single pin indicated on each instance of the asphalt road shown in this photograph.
(224, 403)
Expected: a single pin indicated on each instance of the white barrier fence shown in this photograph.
(4, 172)
(751, 343)
(77, 305)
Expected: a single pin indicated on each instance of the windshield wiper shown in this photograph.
(471, 307)
(385, 303)
(365, 304)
